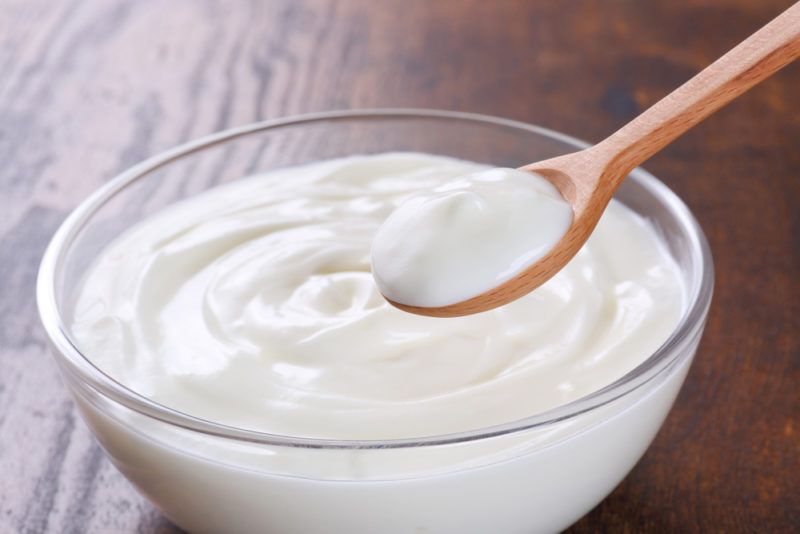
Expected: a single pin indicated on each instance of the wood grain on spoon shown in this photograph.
(589, 178)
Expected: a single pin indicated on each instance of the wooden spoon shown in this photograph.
(588, 179)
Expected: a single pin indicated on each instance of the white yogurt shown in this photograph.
(467, 236)
(253, 305)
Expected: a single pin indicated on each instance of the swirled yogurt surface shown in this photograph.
(253, 304)
(467, 236)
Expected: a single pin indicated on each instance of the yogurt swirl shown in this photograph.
(253, 305)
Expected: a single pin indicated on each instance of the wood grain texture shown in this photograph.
(90, 87)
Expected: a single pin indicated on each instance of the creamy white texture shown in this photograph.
(253, 304)
(467, 236)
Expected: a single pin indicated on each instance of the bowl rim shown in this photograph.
(75, 363)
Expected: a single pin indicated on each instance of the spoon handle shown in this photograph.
(756, 58)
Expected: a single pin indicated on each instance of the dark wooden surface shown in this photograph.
(89, 87)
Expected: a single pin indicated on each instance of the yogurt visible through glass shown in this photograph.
(253, 305)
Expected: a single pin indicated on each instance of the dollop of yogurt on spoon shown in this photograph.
(466, 237)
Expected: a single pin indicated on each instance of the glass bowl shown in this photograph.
(538, 474)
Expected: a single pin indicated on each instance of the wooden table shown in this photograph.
(89, 87)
